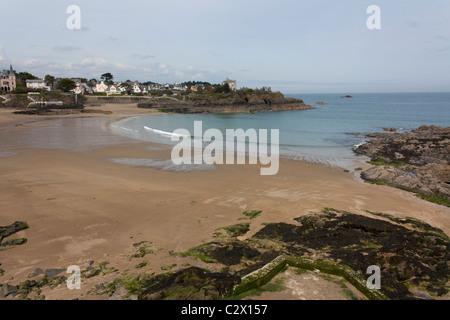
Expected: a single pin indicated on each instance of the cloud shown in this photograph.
(94, 66)
(143, 56)
(31, 63)
(65, 48)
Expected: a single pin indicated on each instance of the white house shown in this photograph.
(81, 88)
(113, 89)
(231, 83)
(101, 87)
(37, 84)
(136, 88)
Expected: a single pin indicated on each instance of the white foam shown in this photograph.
(165, 133)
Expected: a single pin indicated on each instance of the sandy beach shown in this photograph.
(57, 175)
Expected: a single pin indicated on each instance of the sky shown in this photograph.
(298, 46)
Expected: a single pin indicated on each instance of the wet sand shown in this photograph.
(57, 175)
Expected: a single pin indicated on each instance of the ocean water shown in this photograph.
(326, 134)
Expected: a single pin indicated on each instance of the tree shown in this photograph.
(49, 79)
(22, 77)
(107, 77)
(223, 89)
(67, 84)
(91, 83)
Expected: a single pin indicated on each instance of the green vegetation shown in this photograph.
(107, 77)
(170, 267)
(380, 161)
(144, 249)
(141, 265)
(237, 229)
(134, 284)
(435, 198)
(275, 286)
(252, 214)
(67, 84)
(413, 222)
(369, 244)
(200, 252)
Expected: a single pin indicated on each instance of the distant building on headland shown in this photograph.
(231, 83)
(38, 84)
(8, 80)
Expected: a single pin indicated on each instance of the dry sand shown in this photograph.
(81, 206)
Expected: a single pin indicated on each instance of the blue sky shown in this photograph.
(309, 46)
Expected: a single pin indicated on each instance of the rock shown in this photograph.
(119, 293)
(36, 272)
(190, 284)
(423, 154)
(155, 296)
(8, 291)
(322, 103)
(422, 295)
(391, 176)
(100, 286)
(15, 242)
(53, 272)
(12, 229)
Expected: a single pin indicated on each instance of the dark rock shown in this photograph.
(36, 272)
(422, 154)
(53, 272)
(190, 284)
(358, 241)
(15, 242)
(9, 291)
(422, 295)
(12, 229)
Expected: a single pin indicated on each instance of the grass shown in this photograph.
(435, 198)
(379, 161)
(252, 214)
(369, 244)
(144, 250)
(237, 229)
(272, 286)
(167, 268)
(141, 265)
(199, 252)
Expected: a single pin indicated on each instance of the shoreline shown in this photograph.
(80, 206)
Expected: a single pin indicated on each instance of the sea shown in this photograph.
(326, 134)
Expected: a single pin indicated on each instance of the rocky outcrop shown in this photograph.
(190, 284)
(410, 253)
(418, 161)
(10, 230)
(233, 103)
(43, 103)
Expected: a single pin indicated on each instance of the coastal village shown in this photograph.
(13, 82)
